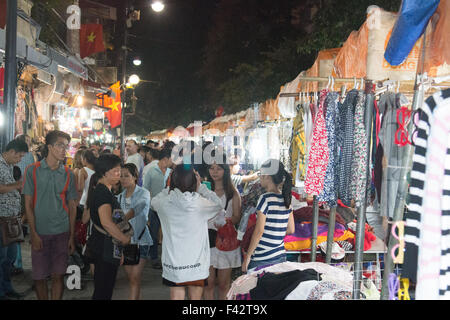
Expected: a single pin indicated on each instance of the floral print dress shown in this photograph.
(318, 156)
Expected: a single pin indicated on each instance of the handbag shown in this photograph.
(11, 229)
(132, 253)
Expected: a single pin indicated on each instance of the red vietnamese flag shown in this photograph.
(91, 39)
(114, 103)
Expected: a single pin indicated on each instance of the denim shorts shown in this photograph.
(145, 252)
(255, 264)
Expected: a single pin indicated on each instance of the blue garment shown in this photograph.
(271, 244)
(328, 193)
(140, 203)
(25, 162)
(266, 263)
(410, 25)
(154, 180)
(7, 258)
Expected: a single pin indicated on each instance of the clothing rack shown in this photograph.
(361, 209)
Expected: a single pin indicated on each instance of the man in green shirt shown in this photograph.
(50, 204)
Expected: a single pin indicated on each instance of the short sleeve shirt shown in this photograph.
(52, 196)
(10, 201)
(271, 244)
(101, 195)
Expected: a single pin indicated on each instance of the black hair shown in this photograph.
(105, 163)
(17, 145)
(92, 184)
(165, 153)
(51, 138)
(132, 169)
(279, 177)
(227, 183)
(90, 157)
(150, 141)
(154, 153)
(183, 178)
(145, 149)
(169, 145)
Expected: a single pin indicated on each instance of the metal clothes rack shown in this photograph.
(361, 210)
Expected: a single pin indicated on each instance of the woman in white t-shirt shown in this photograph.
(184, 209)
(222, 262)
(88, 159)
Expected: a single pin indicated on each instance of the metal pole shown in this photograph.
(330, 235)
(361, 220)
(124, 81)
(9, 98)
(315, 223)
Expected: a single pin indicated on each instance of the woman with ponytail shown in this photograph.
(274, 217)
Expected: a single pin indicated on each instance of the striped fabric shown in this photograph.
(427, 231)
(271, 244)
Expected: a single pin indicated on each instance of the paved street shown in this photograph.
(152, 287)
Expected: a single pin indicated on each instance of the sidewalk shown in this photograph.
(151, 288)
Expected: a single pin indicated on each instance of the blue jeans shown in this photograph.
(254, 264)
(154, 232)
(7, 257)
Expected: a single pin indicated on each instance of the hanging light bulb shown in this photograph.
(134, 79)
(137, 61)
(157, 6)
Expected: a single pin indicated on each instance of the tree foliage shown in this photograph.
(254, 48)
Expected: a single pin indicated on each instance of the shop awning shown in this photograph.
(52, 62)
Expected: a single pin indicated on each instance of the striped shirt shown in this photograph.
(271, 244)
(427, 231)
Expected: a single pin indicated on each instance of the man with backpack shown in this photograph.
(50, 205)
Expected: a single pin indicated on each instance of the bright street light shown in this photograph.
(157, 6)
(79, 100)
(134, 80)
(137, 61)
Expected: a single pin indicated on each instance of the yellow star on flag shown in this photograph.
(114, 106)
(91, 37)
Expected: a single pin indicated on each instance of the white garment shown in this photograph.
(86, 186)
(302, 291)
(137, 160)
(146, 168)
(185, 247)
(225, 259)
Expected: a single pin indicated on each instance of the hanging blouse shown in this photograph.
(318, 156)
(345, 146)
(298, 147)
(358, 179)
(329, 190)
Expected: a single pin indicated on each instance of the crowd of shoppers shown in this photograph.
(146, 200)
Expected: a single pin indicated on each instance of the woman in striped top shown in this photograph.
(274, 220)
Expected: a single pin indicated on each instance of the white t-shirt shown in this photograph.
(184, 216)
(86, 186)
(137, 160)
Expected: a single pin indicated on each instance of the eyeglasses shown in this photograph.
(62, 146)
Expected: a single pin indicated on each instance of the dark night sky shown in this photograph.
(170, 44)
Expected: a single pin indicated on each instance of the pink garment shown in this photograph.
(319, 154)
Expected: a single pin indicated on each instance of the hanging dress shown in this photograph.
(298, 146)
(318, 156)
(329, 190)
(345, 146)
(358, 179)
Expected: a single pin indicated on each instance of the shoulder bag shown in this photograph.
(11, 229)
